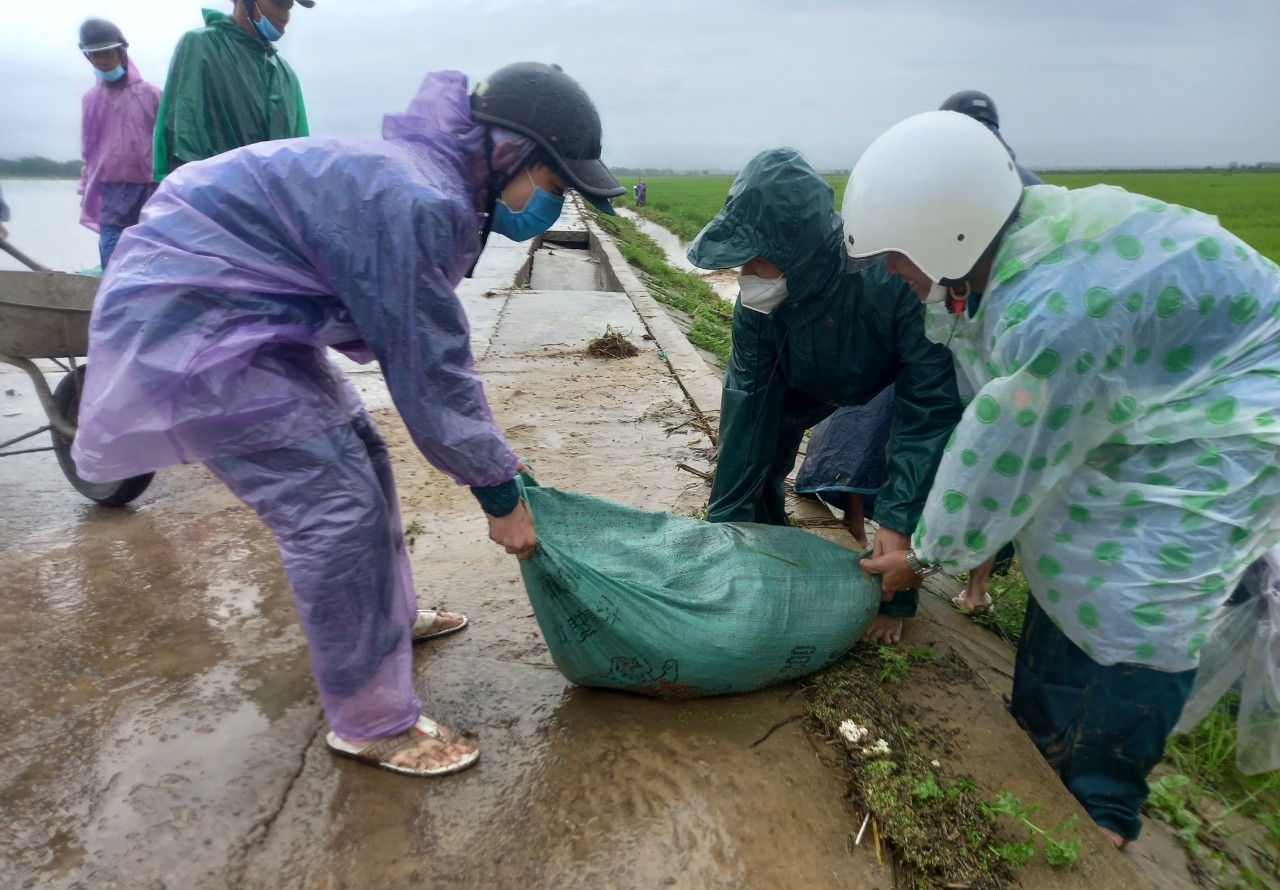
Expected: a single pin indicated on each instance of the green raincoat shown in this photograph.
(225, 89)
(1125, 424)
(838, 339)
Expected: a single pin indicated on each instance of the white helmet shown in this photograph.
(937, 187)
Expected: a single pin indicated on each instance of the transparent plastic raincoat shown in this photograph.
(226, 88)
(1124, 370)
(208, 343)
(117, 125)
(1244, 652)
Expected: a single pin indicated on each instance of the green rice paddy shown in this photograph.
(1247, 204)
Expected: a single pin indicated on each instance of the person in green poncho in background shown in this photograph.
(229, 87)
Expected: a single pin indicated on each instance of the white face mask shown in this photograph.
(762, 294)
(937, 293)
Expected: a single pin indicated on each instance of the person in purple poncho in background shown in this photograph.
(208, 343)
(117, 123)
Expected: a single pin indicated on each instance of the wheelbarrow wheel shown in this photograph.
(110, 494)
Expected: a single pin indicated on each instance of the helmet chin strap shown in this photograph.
(958, 299)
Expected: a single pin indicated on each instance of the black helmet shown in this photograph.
(977, 105)
(544, 103)
(99, 35)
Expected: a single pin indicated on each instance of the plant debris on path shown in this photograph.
(612, 344)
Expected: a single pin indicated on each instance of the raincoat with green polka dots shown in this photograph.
(1123, 377)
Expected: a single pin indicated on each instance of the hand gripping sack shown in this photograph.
(676, 607)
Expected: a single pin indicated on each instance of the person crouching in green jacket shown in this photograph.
(810, 336)
(228, 87)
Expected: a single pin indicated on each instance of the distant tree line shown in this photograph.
(39, 168)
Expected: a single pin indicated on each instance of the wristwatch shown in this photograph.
(914, 563)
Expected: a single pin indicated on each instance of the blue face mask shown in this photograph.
(111, 76)
(266, 29)
(539, 214)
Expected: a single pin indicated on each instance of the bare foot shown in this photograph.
(1119, 842)
(884, 629)
(425, 749)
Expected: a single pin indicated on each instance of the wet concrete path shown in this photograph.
(163, 728)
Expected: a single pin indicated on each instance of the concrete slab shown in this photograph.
(558, 268)
(550, 322)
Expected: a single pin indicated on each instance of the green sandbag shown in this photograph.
(676, 607)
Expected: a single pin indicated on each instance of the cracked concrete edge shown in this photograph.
(700, 384)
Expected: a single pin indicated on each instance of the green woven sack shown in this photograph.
(675, 607)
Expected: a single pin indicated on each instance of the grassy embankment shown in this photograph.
(1199, 790)
(710, 321)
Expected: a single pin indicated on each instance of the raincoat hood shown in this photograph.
(245, 266)
(115, 137)
(838, 339)
(781, 209)
(440, 116)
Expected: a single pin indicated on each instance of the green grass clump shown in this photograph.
(1202, 764)
(1199, 769)
(938, 826)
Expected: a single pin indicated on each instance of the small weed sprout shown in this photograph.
(412, 531)
(1168, 800)
(895, 661)
(1059, 851)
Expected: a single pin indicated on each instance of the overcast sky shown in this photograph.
(692, 84)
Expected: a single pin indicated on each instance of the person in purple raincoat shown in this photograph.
(118, 119)
(208, 340)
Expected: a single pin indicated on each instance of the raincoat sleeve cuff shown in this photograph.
(498, 500)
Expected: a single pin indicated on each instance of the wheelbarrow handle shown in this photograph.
(22, 257)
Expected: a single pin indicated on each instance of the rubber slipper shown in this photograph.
(986, 609)
(421, 629)
(379, 753)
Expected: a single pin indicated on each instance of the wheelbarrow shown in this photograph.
(45, 315)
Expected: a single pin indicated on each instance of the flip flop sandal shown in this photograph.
(986, 609)
(379, 753)
(421, 629)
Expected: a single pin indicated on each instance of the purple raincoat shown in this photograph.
(116, 130)
(208, 340)
(208, 334)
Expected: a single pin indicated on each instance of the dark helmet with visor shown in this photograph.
(542, 102)
(100, 35)
(976, 104)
